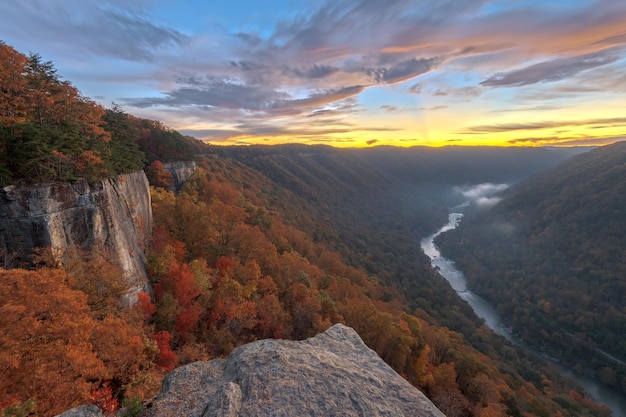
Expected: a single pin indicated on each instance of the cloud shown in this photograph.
(483, 195)
(313, 72)
(211, 93)
(402, 71)
(507, 127)
(216, 135)
(416, 88)
(502, 228)
(468, 91)
(114, 29)
(482, 190)
(319, 98)
(371, 141)
(551, 71)
(313, 60)
(580, 140)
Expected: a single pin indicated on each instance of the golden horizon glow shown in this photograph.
(489, 73)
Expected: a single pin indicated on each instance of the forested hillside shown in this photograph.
(229, 266)
(49, 131)
(374, 205)
(261, 242)
(552, 256)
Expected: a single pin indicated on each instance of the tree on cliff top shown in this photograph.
(49, 131)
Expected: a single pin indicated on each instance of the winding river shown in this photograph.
(448, 270)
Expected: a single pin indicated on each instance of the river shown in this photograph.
(448, 270)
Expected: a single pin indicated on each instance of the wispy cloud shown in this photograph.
(554, 70)
(313, 66)
(507, 127)
(117, 29)
(580, 140)
(402, 71)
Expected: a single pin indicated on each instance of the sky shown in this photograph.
(344, 72)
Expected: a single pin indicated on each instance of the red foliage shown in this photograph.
(224, 265)
(179, 250)
(161, 237)
(224, 311)
(185, 285)
(146, 305)
(103, 398)
(167, 358)
(576, 396)
(187, 320)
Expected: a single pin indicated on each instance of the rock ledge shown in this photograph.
(331, 374)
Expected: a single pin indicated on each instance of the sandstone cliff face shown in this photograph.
(114, 217)
(181, 171)
(331, 374)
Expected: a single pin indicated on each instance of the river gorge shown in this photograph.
(483, 309)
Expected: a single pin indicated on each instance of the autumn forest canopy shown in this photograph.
(49, 131)
(260, 242)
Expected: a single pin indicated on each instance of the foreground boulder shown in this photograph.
(331, 374)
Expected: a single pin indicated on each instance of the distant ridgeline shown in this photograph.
(552, 257)
(50, 132)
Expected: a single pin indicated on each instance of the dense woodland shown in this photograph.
(551, 257)
(49, 131)
(261, 242)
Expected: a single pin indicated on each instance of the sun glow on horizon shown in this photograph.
(524, 73)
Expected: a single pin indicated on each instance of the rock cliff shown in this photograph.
(331, 374)
(113, 217)
(181, 171)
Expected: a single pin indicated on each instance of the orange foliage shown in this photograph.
(187, 320)
(119, 346)
(223, 191)
(45, 334)
(273, 320)
(90, 165)
(158, 176)
(12, 86)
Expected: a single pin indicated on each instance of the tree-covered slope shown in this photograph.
(374, 205)
(552, 256)
(49, 131)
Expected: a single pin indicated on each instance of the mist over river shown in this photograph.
(483, 309)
